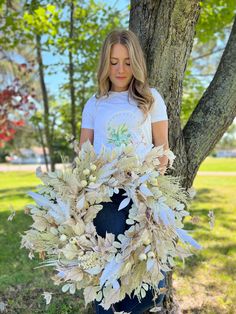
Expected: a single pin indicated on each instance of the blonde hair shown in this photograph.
(139, 88)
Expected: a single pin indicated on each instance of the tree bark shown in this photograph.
(71, 73)
(166, 32)
(45, 102)
(43, 146)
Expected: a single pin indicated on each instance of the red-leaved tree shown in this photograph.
(15, 106)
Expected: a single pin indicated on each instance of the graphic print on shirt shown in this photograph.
(118, 135)
(122, 127)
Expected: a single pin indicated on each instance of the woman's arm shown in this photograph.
(86, 134)
(160, 137)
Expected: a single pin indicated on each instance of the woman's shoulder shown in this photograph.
(91, 101)
(92, 98)
(155, 92)
(159, 110)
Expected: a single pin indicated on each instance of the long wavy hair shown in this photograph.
(139, 88)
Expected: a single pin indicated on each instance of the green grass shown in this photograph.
(218, 164)
(21, 285)
(205, 285)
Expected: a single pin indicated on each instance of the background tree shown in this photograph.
(82, 30)
(212, 31)
(16, 102)
(73, 30)
(228, 140)
(167, 38)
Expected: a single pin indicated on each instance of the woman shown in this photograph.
(125, 109)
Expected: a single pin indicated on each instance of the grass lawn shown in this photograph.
(218, 164)
(207, 284)
(21, 286)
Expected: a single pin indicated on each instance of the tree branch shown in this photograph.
(215, 111)
(207, 54)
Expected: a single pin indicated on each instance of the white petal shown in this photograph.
(116, 285)
(156, 309)
(124, 203)
(143, 188)
(144, 177)
(40, 200)
(80, 203)
(47, 297)
(110, 270)
(94, 270)
(66, 287)
(150, 264)
(187, 238)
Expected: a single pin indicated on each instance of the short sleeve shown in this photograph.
(159, 111)
(88, 114)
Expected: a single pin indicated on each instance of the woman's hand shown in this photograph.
(163, 164)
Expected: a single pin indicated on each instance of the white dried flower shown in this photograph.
(63, 237)
(47, 296)
(212, 218)
(142, 257)
(154, 181)
(151, 254)
(86, 171)
(146, 241)
(92, 178)
(54, 230)
(73, 240)
(2, 307)
(31, 255)
(192, 192)
(93, 167)
(83, 183)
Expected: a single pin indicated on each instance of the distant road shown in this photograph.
(9, 167)
(217, 173)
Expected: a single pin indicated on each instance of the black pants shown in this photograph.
(110, 220)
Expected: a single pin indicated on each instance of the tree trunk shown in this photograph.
(166, 32)
(43, 146)
(71, 73)
(45, 102)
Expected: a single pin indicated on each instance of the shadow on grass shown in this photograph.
(229, 225)
(229, 268)
(28, 299)
(203, 196)
(206, 236)
(226, 249)
(14, 192)
(191, 263)
(208, 309)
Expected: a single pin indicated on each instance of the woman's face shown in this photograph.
(120, 71)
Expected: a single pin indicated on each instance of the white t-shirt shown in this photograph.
(116, 119)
